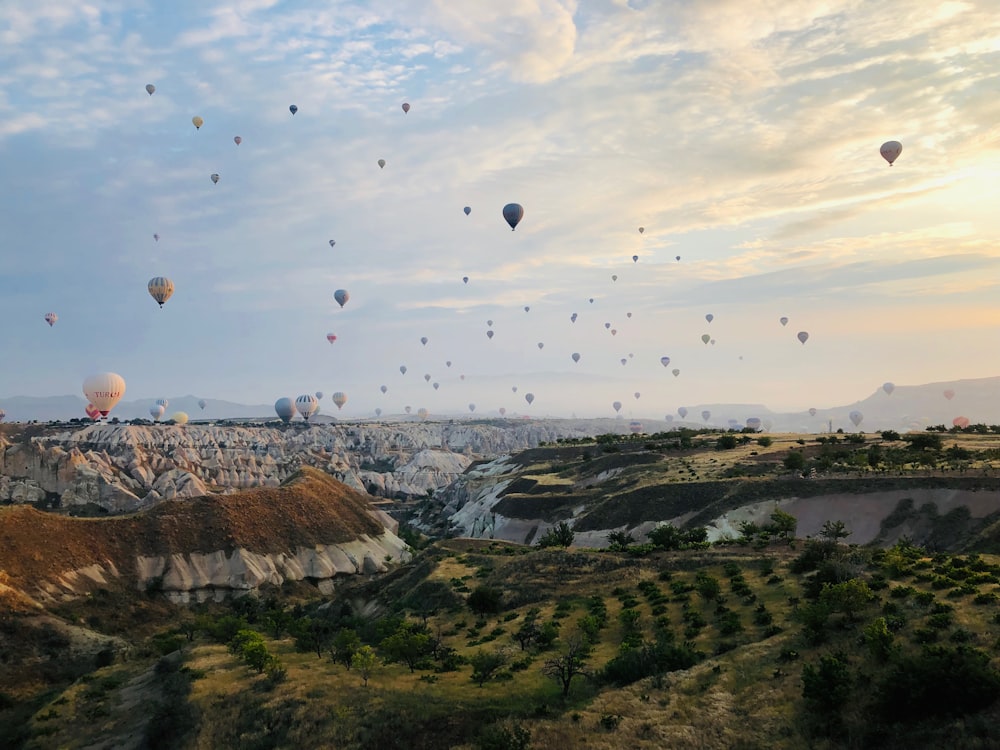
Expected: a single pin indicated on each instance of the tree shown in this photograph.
(725, 442)
(485, 600)
(364, 662)
(890, 435)
(527, 633)
(345, 644)
(560, 535)
(765, 441)
(666, 536)
(826, 687)
(406, 645)
(569, 663)
(795, 461)
(834, 531)
(485, 664)
(313, 634)
(619, 540)
(878, 638)
(707, 586)
(848, 597)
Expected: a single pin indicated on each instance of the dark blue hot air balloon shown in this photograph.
(468, 210)
(513, 213)
(293, 109)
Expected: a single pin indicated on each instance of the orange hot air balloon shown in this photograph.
(960, 422)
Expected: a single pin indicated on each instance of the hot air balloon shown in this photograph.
(381, 163)
(572, 318)
(617, 406)
(635, 258)
(513, 389)
(783, 321)
(513, 213)
(406, 107)
(237, 140)
(150, 88)
(676, 372)
(888, 388)
(156, 237)
(502, 411)
(402, 369)
(949, 394)
(642, 229)
(156, 411)
(465, 279)
(754, 423)
(408, 409)
(576, 356)
(3, 415)
(541, 345)
(489, 323)
(423, 340)
(489, 334)
(384, 388)
(705, 338)
(591, 300)
(306, 405)
(468, 210)
(472, 407)
(378, 412)
(333, 242)
(51, 318)
(202, 403)
(179, 417)
(856, 417)
(162, 402)
(960, 422)
(891, 150)
(637, 394)
(342, 296)
(197, 122)
(423, 413)
(104, 390)
(812, 412)
(340, 398)
(677, 258)
(319, 395)
(529, 397)
(607, 326)
(331, 337)
(706, 415)
(802, 336)
(427, 378)
(683, 412)
(624, 361)
(664, 361)
(712, 342)
(447, 363)
(160, 288)
(92, 412)
(293, 109)
(710, 317)
(614, 277)
(669, 418)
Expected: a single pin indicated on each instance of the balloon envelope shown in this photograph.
(91, 412)
(783, 321)
(384, 388)
(706, 415)
(331, 337)
(856, 417)
(960, 422)
(949, 394)
(406, 106)
(513, 213)
(340, 398)
(333, 242)
(572, 318)
(616, 405)
(202, 403)
(802, 336)
(179, 417)
(381, 163)
(812, 412)
(160, 288)
(642, 229)
(150, 88)
(710, 317)
(237, 140)
(683, 412)
(576, 356)
(423, 340)
(891, 150)
(104, 390)
(342, 296)
(888, 388)
(306, 405)
(293, 109)
(402, 369)
(664, 361)
(468, 210)
(529, 397)
(197, 122)
(155, 411)
(51, 318)
(705, 338)
(676, 372)
(215, 178)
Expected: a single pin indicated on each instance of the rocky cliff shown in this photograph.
(313, 528)
(123, 468)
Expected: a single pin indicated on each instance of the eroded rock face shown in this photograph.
(123, 468)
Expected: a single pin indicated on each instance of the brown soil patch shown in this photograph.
(313, 508)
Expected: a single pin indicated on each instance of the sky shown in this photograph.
(742, 135)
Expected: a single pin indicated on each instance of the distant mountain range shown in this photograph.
(907, 407)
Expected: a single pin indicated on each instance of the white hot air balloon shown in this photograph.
(856, 417)
(162, 402)
(104, 390)
(285, 409)
(340, 398)
(306, 405)
(888, 388)
(202, 403)
(160, 288)
(891, 150)
(156, 411)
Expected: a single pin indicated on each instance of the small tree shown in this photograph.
(666, 536)
(485, 600)
(834, 531)
(527, 633)
(485, 664)
(364, 662)
(619, 540)
(878, 638)
(560, 535)
(849, 597)
(407, 646)
(783, 524)
(569, 663)
(795, 461)
(345, 644)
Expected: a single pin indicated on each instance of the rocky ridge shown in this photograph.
(124, 468)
